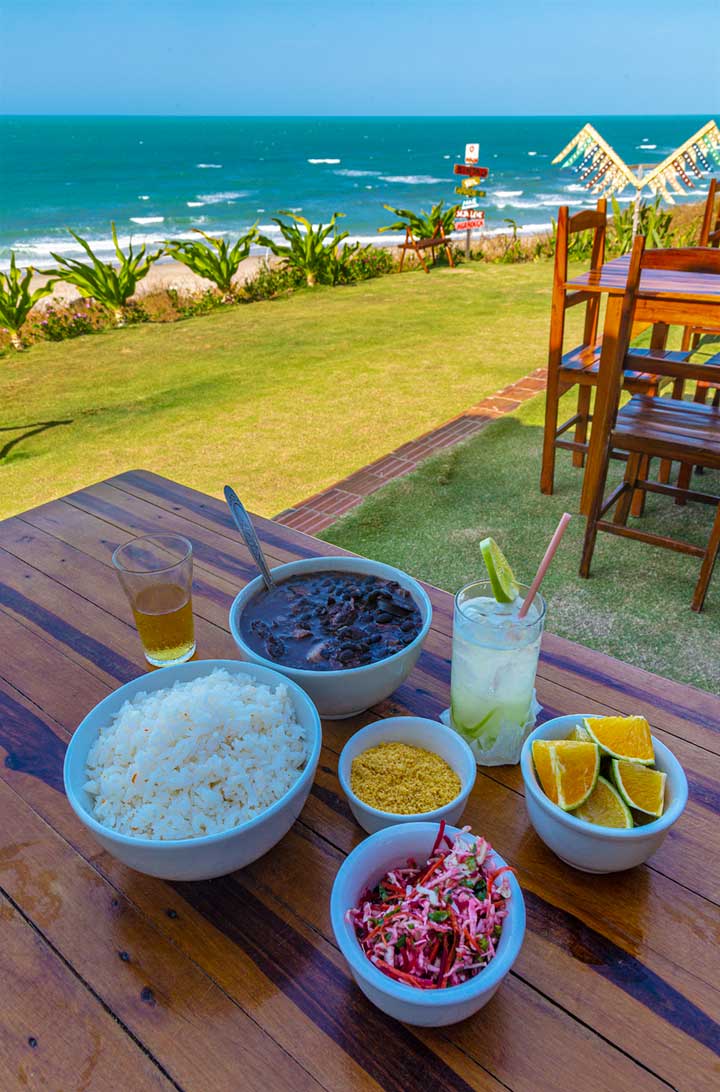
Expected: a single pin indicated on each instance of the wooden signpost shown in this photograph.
(469, 217)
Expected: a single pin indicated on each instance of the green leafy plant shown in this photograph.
(512, 247)
(189, 304)
(62, 322)
(214, 259)
(110, 286)
(310, 249)
(654, 222)
(270, 282)
(17, 301)
(423, 224)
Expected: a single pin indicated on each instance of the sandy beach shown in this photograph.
(162, 275)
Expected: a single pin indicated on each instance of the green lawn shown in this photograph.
(280, 398)
(635, 606)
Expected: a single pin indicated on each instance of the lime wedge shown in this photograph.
(504, 585)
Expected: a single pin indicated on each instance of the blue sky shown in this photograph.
(376, 57)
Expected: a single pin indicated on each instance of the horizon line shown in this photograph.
(344, 117)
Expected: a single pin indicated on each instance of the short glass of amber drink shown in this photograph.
(156, 573)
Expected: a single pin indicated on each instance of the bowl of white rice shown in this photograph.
(193, 771)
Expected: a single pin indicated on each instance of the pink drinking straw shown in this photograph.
(549, 555)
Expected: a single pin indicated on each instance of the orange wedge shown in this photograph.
(567, 770)
(605, 807)
(580, 734)
(623, 737)
(640, 788)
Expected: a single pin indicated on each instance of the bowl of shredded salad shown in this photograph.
(430, 920)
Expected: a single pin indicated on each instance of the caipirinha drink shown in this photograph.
(494, 661)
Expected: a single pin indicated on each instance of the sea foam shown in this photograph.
(220, 198)
(324, 160)
(412, 179)
(147, 219)
(209, 166)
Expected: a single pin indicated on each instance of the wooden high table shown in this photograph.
(113, 980)
(666, 299)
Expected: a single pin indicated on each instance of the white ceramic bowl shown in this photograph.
(587, 847)
(367, 864)
(340, 694)
(431, 735)
(213, 854)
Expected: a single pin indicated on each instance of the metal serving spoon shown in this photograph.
(246, 529)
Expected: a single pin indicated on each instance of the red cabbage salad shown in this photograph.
(437, 924)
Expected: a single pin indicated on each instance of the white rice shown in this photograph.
(196, 758)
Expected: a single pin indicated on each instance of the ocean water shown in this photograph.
(158, 177)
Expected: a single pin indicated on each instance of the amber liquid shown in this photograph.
(163, 616)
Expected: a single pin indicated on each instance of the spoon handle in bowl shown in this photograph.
(246, 529)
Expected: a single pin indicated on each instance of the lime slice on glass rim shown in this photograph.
(504, 585)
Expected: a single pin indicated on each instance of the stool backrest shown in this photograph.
(594, 220)
(710, 227)
(699, 260)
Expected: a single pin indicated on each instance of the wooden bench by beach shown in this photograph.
(439, 239)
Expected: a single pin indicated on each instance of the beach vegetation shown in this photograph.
(311, 249)
(17, 300)
(215, 259)
(111, 286)
(655, 223)
(423, 225)
(271, 281)
(59, 322)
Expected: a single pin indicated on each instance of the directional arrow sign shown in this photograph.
(465, 192)
(470, 172)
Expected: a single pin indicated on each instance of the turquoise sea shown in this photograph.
(158, 177)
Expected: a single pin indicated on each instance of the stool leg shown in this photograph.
(632, 473)
(581, 428)
(638, 500)
(707, 565)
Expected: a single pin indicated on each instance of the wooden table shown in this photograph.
(666, 299)
(112, 980)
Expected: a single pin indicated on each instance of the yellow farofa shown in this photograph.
(404, 780)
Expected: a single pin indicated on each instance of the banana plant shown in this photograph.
(112, 287)
(216, 261)
(310, 249)
(423, 224)
(17, 301)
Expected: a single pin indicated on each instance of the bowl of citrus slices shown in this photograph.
(601, 792)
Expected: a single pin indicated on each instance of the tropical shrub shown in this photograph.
(61, 322)
(17, 301)
(309, 249)
(655, 223)
(110, 286)
(189, 304)
(268, 283)
(369, 262)
(423, 224)
(512, 246)
(216, 261)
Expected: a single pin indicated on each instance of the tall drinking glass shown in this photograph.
(156, 574)
(494, 661)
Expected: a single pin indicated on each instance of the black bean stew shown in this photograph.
(327, 621)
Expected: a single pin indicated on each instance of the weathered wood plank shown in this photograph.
(558, 935)
(306, 867)
(53, 1033)
(193, 1029)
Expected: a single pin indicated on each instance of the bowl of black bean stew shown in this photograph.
(348, 630)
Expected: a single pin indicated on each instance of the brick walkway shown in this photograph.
(318, 512)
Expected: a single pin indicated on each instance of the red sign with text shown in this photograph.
(470, 172)
(468, 220)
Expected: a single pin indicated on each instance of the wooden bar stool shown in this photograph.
(578, 366)
(692, 336)
(650, 427)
